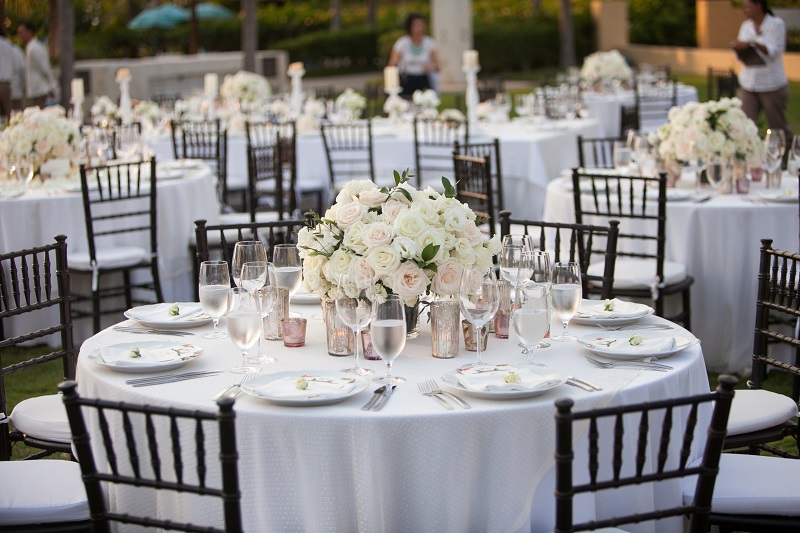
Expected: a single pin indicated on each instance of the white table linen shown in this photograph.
(412, 466)
(718, 241)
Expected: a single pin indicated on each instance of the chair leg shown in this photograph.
(195, 271)
(96, 309)
(687, 309)
(157, 281)
(660, 305)
(126, 283)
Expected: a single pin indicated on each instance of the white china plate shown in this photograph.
(587, 341)
(779, 197)
(181, 164)
(673, 195)
(136, 367)
(258, 387)
(143, 315)
(169, 174)
(302, 296)
(597, 320)
(451, 382)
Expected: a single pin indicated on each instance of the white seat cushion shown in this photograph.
(754, 410)
(40, 492)
(637, 273)
(109, 257)
(753, 484)
(43, 417)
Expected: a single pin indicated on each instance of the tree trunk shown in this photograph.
(193, 27)
(336, 18)
(537, 7)
(567, 33)
(249, 34)
(67, 45)
(53, 39)
(372, 13)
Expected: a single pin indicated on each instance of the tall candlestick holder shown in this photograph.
(296, 98)
(394, 103)
(77, 110)
(125, 100)
(472, 94)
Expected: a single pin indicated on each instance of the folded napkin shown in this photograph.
(117, 356)
(318, 387)
(622, 309)
(622, 345)
(492, 378)
(161, 312)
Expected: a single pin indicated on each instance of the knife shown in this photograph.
(572, 380)
(386, 395)
(377, 394)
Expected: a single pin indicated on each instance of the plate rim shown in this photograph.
(292, 402)
(501, 395)
(622, 357)
(96, 358)
(172, 324)
(609, 320)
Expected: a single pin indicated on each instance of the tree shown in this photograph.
(336, 18)
(67, 48)
(249, 34)
(567, 33)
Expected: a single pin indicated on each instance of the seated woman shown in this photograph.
(415, 56)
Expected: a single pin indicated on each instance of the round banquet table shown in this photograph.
(57, 207)
(718, 240)
(413, 466)
(529, 152)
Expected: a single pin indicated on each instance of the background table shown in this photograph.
(719, 243)
(412, 466)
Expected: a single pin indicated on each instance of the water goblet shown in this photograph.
(215, 282)
(566, 295)
(510, 253)
(388, 332)
(531, 319)
(793, 162)
(244, 326)
(254, 276)
(246, 252)
(622, 156)
(24, 168)
(355, 305)
(127, 142)
(479, 298)
(542, 274)
(288, 267)
(522, 104)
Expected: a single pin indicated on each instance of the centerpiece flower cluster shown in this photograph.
(39, 135)
(604, 67)
(428, 100)
(246, 87)
(103, 109)
(351, 101)
(711, 131)
(408, 242)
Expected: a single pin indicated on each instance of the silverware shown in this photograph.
(636, 326)
(170, 378)
(646, 365)
(234, 390)
(425, 389)
(377, 394)
(134, 329)
(583, 384)
(436, 389)
(702, 199)
(385, 398)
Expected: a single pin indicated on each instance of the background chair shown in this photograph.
(157, 438)
(488, 88)
(628, 119)
(721, 83)
(596, 152)
(491, 152)
(269, 192)
(640, 203)
(607, 431)
(348, 149)
(653, 103)
(473, 185)
(434, 143)
(572, 242)
(760, 417)
(119, 202)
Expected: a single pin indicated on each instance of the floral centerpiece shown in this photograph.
(452, 115)
(352, 102)
(395, 106)
(246, 87)
(147, 112)
(711, 131)
(605, 67)
(409, 242)
(103, 110)
(39, 135)
(427, 100)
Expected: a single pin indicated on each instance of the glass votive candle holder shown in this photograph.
(757, 173)
(272, 322)
(502, 321)
(294, 331)
(469, 336)
(366, 344)
(338, 335)
(445, 316)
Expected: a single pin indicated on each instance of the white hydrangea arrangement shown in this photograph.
(246, 87)
(352, 101)
(147, 112)
(314, 108)
(711, 131)
(40, 135)
(427, 99)
(601, 67)
(395, 105)
(409, 242)
(280, 108)
(452, 115)
(103, 108)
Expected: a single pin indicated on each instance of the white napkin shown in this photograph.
(147, 356)
(318, 387)
(492, 378)
(622, 309)
(622, 345)
(161, 313)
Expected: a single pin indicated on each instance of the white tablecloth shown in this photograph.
(719, 243)
(412, 466)
(529, 155)
(34, 219)
(606, 107)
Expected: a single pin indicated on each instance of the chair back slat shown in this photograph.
(435, 140)
(130, 443)
(491, 152)
(177, 458)
(206, 140)
(272, 167)
(200, 446)
(108, 444)
(688, 436)
(348, 149)
(152, 446)
(596, 152)
(619, 433)
(642, 443)
(663, 450)
(474, 187)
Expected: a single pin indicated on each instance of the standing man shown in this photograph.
(39, 80)
(6, 73)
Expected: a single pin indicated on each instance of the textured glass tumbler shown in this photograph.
(294, 332)
(340, 337)
(469, 336)
(445, 317)
(272, 323)
(502, 318)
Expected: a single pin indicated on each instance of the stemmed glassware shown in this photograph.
(697, 165)
(793, 163)
(510, 254)
(288, 267)
(215, 282)
(244, 326)
(246, 252)
(531, 320)
(774, 148)
(253, 276)
(522, 104)
(256, 277)
(388, 332)
(622, 154)
(24, 168)
(566, 295)
(479, 298)
(265, 298)
(538, 262)
(355, 305)
(127, 142)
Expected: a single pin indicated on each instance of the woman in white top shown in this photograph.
(415, 56)
(763, 86)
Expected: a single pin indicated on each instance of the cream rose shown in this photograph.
(384, 260)
(372, 197)
(352, 189)
(392, 208)
(350, 213)
(472, 234)
(407, 248)
(361, 273)
(338, 264)
(409, 282)
(409, 224)
(447, 280)
(377, 234)
(354, 238)
(455, 218)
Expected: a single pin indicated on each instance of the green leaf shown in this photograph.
(432, 267)
(397, 178)
(405, 193)
(430, 252)
(449, 190)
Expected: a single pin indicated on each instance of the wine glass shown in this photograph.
(215, 282)
(714, 173)
(773, 155)
(542, 274)
(254, 276)
(288, 267)
(388, 332)
(622, 156)
(479, 298)
(265, 300)
(355, 305)
(522, 104)
(793, 163)
(697, 165)
(510, 254)
(246, 252)
(24, 170)
(244, 326)
(778, 138)
(531, 320)
(127, 142)
(566, 294)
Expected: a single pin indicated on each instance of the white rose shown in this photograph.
(407, 248)
(483, 258)
(464, 252)
(352, 189)
(361, 273)
(409, 282)
(372, 197)
(312, 272)
(409, 224)
(427, 210)
(392, 208)
(338, 264)
(377, 234)
(494, 245)
(447, 280)
(455, 218)
(472, 234)
(350, 213)
(433, 236)
(384, 260)
(354, 237)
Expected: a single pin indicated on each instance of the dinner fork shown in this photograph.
(436, 389)
(636, 326)
(234, 390)
(424, 388)
(134, 329)
(646, 365)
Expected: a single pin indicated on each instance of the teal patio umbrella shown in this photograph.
(211, 11)
(165, 16)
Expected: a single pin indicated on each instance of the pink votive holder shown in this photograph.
(294, 332)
